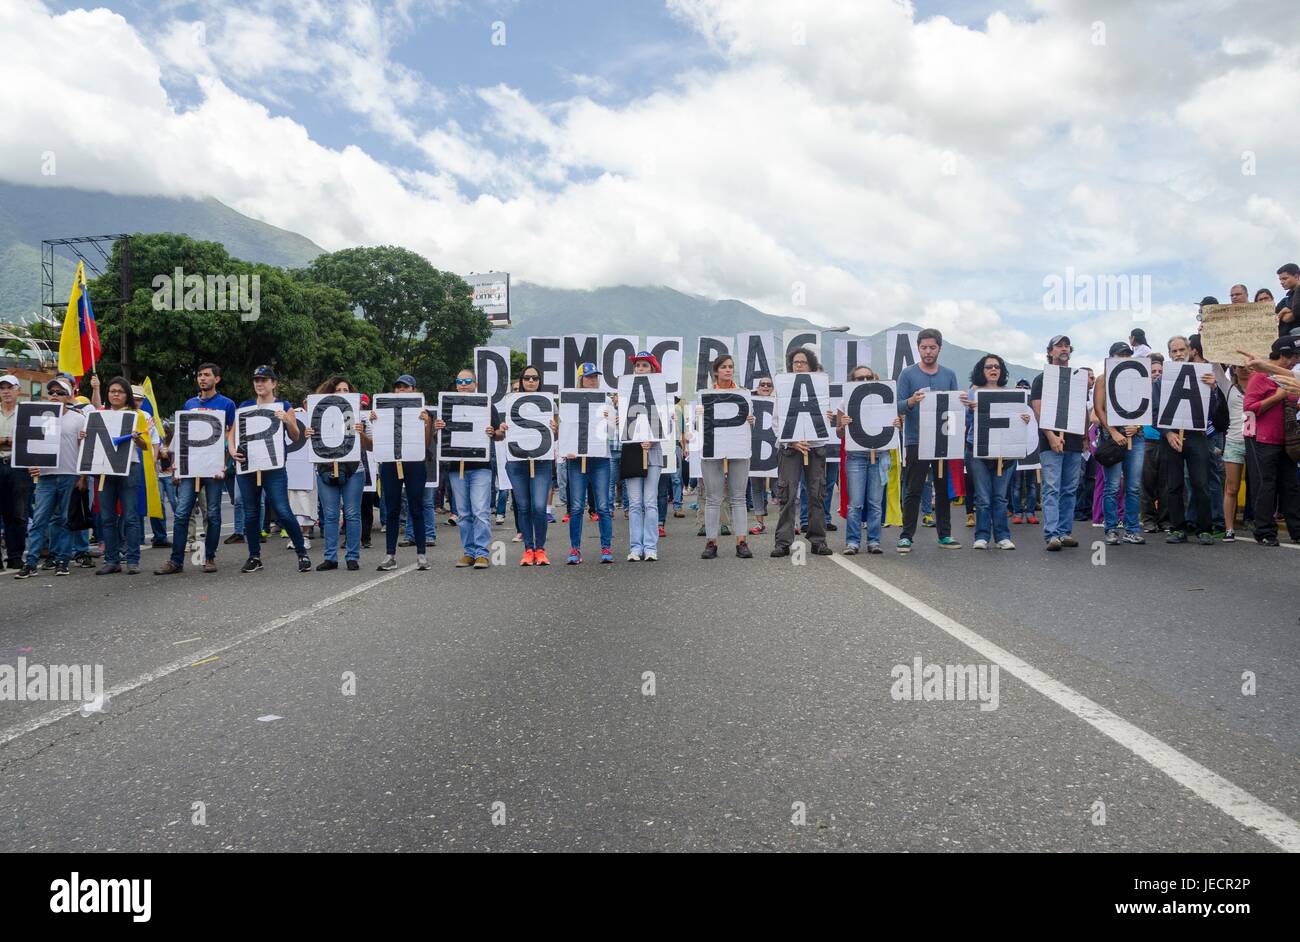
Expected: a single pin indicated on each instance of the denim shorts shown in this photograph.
(1234, 452)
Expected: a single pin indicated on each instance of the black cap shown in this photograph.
(1120, 349)
(1288, 345)
(1209, 299)
(264, 372)
(1059, 338)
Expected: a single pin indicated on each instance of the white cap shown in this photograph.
(10, 378)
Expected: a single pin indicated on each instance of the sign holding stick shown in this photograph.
(585, 423)
(1184, 397)
(528, 427)
(943, 427)
(333, 418)
(464, 434)
(108, 447)
(1065, 399)
(199, 443)
(1128, 391)
(725, 423)
(872, 408)
(36, 435)
(1000, 423)
(397, 432)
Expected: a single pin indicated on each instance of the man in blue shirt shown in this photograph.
(1061, 455)
(207, 378)
(913, 384)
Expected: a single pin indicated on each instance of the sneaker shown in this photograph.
(451, 518)
(353, 565)
(970, 520)
(253, 565)
(1054, 545)
(550, 517)
(726, 530)
(327, 565)
(26, 572)
(1112, 538)
(743, 551)
(406, 542)
(980, 544)
(575, 556)
(850, 550)
(519, 538)
(1261, 540)
(1017, 518)
(481, 562)
(757, 529)
(1176, 536)
(904, 545)
(161, 544)
(779, 550)
(61, 568)
(873, 549)
(1150, 528)
(465, 562)
(606, 554)
(1032, 519)
(167, 569)
(233, 538)
(1006, 545)
(132, 569)
(47, 563)
(927, 520)
(678, 513)
(832, 528)
(821, 549)
(710, 550)
(651, 556)
(634, 556)
(83, 561)
(1218, 533)
(1137, 539)
(662, 531)
(565, 518)
(594, 517)
(948, 542)
(421, 562)
(304, 563)
(1068, 540)
(700, 532)
(500, 519)
(539, 558)
(1229, 536)
(528, 558)
(389, 563)
(107, 569)
(1205, 539)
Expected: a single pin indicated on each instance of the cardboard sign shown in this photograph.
(397, 431)
(578, 349)
(668, 351)
(1030, 462)
(872, 407)
(333, 419)
(467, 416)
(528, 426)
(1227, 328)
(199, 444)
(1000, 423)
(900, 350)
(644, 410)
(694, 439)
(492, 370)
(1128, 391)
(1064, 406)
(792, 340)
(372, 476)
(585, 422)
(801, 403)
(725, 423)
(1184, 397)
(616, 353)
(943, 427)
(755, 357)
(299, 468)
(763, 444)
(432, 453)
(850, 353)
(835, 407)
(547, 354)
(36, 435)
(107, 448)
(259, 436)
(707, 350)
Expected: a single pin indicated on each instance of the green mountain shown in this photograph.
(29, 214)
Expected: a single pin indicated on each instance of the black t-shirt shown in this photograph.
(1072, 442)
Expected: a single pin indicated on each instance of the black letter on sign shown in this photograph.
(1063, 378)
(543, 429)
(755, 361)
(984, 419)
(1184, 388)
(642, 402)
(396, 404)
(803, 400)
(587, 400)
(708, 351)
(29, 426)
(449, 403)
(763, 435)
(712, 423)
(187, 436)
(903, 357)
(943, 415)
(99, 438)
(854, 409)
(575, 356)
(1110, 389)
(540, 355)
(332, 452)
(660, 351)
(798, 342)
(269, 435)
(611, 355)
(500, 372)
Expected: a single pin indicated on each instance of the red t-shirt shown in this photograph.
(1269, 425)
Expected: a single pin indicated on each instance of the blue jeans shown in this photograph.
(50, 518)
(472, 494)
(124, 490)
(167, 497)
(832, 476)
(348, 493)
(597, 474)
(866, 488)
(531, 492)
(991, 497)
(562, 482)
(413, 480)
(186, 495)
(430, 518)
(643, 504)
(1131, 471)
(275, 485)
(615, 470)
(1060, 484)
(1026, 482)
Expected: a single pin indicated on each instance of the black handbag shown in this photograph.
(80, 516)
(1108, 453)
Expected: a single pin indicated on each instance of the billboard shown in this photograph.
(492, 296)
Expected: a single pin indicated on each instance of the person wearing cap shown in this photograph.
(1129, 468)
(207, 377)
(1187, 460)
(914, 383)
(414, 477)
(274, 483)
(641, 483)
(530, 482)
(1061, 455)
(730, 482)
(758, 487)
(471, 487)
(1272, 472)
(119, 496)
(53, 487)
(1217, 416)
(594, 481)
(14, 482)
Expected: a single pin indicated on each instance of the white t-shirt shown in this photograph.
(71, 424)
(1236, 400)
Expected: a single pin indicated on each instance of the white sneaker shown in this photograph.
(421, 562)
(651, 556)
(634, 557)
(500, 519)
(980, 544)
(1006, 544)
(519, 538)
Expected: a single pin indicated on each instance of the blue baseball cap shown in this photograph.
(406, 379)
(264, 372)
(588, 369)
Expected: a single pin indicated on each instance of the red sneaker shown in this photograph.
(566, 519)
(663, 532)
(1033, 519)
(1017, 518)
(529, 558)
(539, 558)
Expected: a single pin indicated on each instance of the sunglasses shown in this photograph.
(531, 378)
(464, 382)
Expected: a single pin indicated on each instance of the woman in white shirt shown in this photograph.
(1234, 451)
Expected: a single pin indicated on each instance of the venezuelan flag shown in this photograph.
(79, 348)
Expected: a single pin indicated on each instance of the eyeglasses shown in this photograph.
(532, 379)
(464, 382)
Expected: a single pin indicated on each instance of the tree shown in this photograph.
(424, 316)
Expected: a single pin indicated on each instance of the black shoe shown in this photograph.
(47, 563)
(1204, 539)
(353, 565)
(406, 542)
(1176, 536)
(365, 545)
(253, 565)
(161, 544)
(743, 551)
(821, 549)
(831, 527)
(25, 573)
(1261, 540)
(780, 551)
(327, 565)
(84, 561)
(61, 568)
(304, 564)
(710, 550)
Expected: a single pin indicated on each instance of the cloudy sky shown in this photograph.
(852, 161)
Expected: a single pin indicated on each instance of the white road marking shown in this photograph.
(1273, 825)
(73, 709)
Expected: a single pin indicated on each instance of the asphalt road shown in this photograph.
(522, 695)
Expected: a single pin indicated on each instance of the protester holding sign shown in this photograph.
(1122, 459)
(992, 477)
(120, 494)
(1186, 450)
(54, 485)
(401, 465)
(642, 461)
(1273, 471)
(339, 482)
(866, 470)
(724, 466)
(468, 424)
(588, 472)
(914, 384)
(758, 493)
(530, 473)
(14, 482)
(1061, 454)
(272, 482)
(1234, 449)
(802, 402)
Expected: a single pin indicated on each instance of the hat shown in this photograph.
(82, 401)
(1023, 384)
(365, 400)
(1288, 345)
(264, 372)
(1120, 349)
(1209, 299)
(648, 357)
(9, 378)
(1057, 339)
(406, 379)
(61, 383)
(588, 369)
